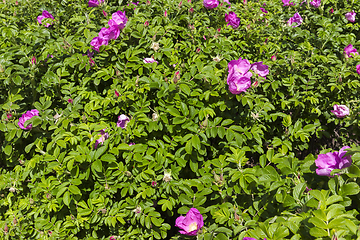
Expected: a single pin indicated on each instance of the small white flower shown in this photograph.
(155, 116)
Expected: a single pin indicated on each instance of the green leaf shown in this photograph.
(195, 140)
(299, 190)
(349, 189)
(97, 165)
(67, 198)
(74, 189)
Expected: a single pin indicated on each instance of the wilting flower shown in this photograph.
(295, 19)
(358, 69)
(122, 121)
(350, 51)
(332, 160)
(33, 60)
(263, 10)
(340, 111)
(260, 69)
(103, 137)
(350, 16)
(94, 3)
(118, 20)
(232, 19)
(287, 3)
(97, 42)
(27, 116)
(150, 60)
(209, 4)
(191, 223)
(155, 46)
(315, 3)
(167, 176)
(45, 14)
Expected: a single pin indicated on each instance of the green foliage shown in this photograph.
(246, 161)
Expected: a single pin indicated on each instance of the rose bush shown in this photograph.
(229, 121)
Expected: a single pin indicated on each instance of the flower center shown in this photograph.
(192, 227)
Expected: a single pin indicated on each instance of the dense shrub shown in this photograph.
(122, 146)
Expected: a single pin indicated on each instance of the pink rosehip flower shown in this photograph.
(150, 60)
(122, 121)
(109, 33)
(295, 19)
(340, 111)
(237, 83)
(241, 66)
(191, 223)
(103, 137)
(45, 14)
(350, 16)
(287, 3)
(350, 51)
(94, 3)
(119, 20)
(27, 116)
(332, 160)
(263, 10)
(358, 69)
(232, 20)
(331, 10)
(33, 60)
(260, 69)
(315, 3)
(97, 42)
(209, 4)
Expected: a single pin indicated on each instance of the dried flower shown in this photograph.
(155, 46)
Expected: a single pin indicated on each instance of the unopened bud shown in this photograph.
(48, 196)
(146, 23)
(153, 183)
(273, 57)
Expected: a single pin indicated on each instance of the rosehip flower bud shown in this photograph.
(117, 94)
(191, 10)
(148, 2)
(273, 57)
(153, 183)
(204, 37)
(146, 24)
(177, 77)
(198, 50)
(9, 115)
(70, 101)
(105, 14)
(245, 2)
(16, 3)
(189, 1)
(165, 13)
(33, 60)
(48, 195)
(219, 29)
(331, 10)
(255, 84)
(180, 4)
